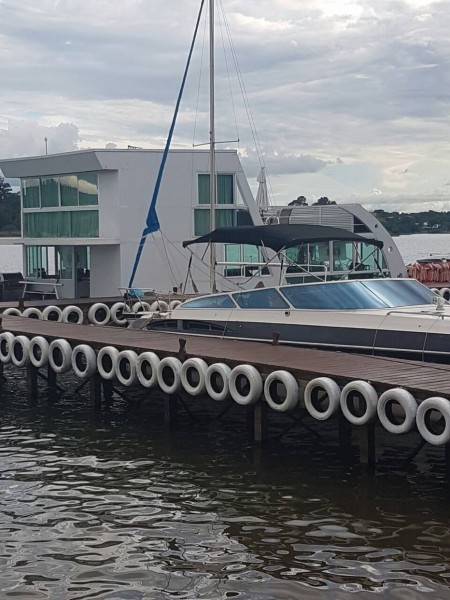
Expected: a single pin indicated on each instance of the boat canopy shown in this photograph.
(278, 237)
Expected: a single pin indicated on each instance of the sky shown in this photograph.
(348, 99)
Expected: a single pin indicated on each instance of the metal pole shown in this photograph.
(212, 139)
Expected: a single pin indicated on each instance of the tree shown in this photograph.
(300, 201)
(9, 209)
(324, 201)
(5, 189)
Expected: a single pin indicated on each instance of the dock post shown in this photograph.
(52, 384)
(95, 392)
(447, 460)
(258, 422)
(170, 409)
(367, 445)
(32, 383)
(2, 376)
(108, 388)
(345, 437)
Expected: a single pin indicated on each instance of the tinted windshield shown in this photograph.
(265, 298)
(221, 301)
(351, 295)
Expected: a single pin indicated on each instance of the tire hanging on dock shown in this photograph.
(355, 411)
(322, 398)
(246, 385)
(147, 369)
(99, 314)
(286, 401)
(20, 355)
(424, 420)
(388, 405)
(32, 313)
(193, 376)
(159, 306)
(106, 360)
(84, 361)
(169, 375)
(117, 311)
(39, 351)
(125, 367)
(6, 340)
(13, 312)
(52, 313)
(60, 356)
(72, 314)
(141, 306)
(217, 379)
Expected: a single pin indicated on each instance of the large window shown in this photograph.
(66, 190)
(225, 217)
(30, 193)
(224, 191)
(57, 224)
(243, 255)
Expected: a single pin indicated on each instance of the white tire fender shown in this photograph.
(435, 290)
(386, 410)
(39, 351)
(174, 303)
(193, 376)
(117, 311)
(440, 405)
(52, 313)
(370, 397)
(245, 376)
(147, 369)
(125, 367)
(139, 307)
(72, 314)
(99, 314)
(332, 393)
(169, 375)
(20, 355)
(217, 381)
(84, 361)
(60, 356)
(13, 312)
(291, 396)
(159, 305)
(445, 293)
(106, 361)
(32, 313)
(6, 340)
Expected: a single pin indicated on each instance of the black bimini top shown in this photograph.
(278, 237)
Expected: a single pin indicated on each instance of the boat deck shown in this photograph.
(421, 379)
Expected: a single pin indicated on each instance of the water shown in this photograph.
(123, 508)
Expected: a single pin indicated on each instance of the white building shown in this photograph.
(83, 214)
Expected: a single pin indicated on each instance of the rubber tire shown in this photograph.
(333, 392)
(159, 306)
(199, 365)
(370, 396)
(443, 406)
(291, 387)
(44, 347)
(224, 373)
(174, 303)
(131, 357)
(52, 310)
(66, 351)
(13, 312)
(91, 361)
(115, 308)
(256, 385)
(151, 359)
(92, 314)
(6, 338)
(408, 404)
(112, 353)
(24, 342)
(69, 311)
(445, 293)
(172, 363)
(32, 313)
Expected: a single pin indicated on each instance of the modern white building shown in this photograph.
(83, 214)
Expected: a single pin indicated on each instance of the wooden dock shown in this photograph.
(421, 379)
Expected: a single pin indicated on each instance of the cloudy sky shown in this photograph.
(349, 98)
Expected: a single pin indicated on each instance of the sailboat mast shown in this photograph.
(212, 146)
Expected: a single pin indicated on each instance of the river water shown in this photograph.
(124, 508)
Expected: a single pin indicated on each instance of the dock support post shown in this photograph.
(345, 437)
(108, 388)
(170, 410)
(2, 376)
(52, 384)
(367, 445)
(95, 392)
(258, 422)
(447, 460)
(32, 383)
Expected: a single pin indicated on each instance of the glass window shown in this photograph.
(84, 223)
(49, 192)
(264, 298)
(69, 190)
(219, 301)
(243, 218)
(61, 224)
(224, 191)
(88, 189)
(342, 256)
(395, 293)
(332, 296)
(64, 262)
(224, 218)
(203, 189)
(30, 193)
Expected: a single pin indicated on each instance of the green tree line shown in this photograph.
(429, 221)
(9, 210)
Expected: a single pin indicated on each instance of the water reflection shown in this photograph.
(125, 509)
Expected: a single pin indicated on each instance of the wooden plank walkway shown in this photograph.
(421, 379)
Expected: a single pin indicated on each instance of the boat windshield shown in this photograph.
(352, 295)
(215, 301)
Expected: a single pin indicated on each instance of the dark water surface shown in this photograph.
(126, 509)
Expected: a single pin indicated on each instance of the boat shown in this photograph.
(388, 316)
